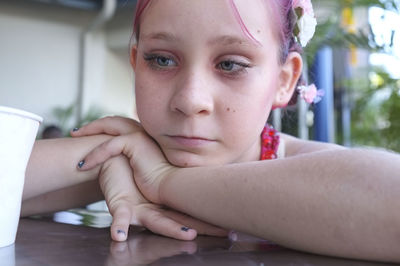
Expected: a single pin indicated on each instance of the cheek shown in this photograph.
(151, 104)
(247, 114)
(146, 101)
(258, 97)
(250, 110)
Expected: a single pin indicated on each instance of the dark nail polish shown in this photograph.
(119, 231)
(81, 163)
(75, 129)
(184, 228)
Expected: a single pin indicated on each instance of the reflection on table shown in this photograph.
(44, 242)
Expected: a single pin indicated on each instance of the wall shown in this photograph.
(39, 59)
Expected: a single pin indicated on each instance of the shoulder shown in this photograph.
(295, 146)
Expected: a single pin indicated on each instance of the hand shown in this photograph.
(116, 126)
(149, 169)
(119, 126)
(110, 125)
(145, 157)
(128, 206)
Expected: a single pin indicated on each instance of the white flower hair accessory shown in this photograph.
(306, 21)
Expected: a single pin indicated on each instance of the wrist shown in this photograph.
(163, 185)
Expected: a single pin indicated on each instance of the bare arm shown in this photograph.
(52, 165)
(52, 181)
(295, 146)
(322, 198)
(62, 199)
(341, 202)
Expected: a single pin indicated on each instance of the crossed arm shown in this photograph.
(53, 183)
(322, 198)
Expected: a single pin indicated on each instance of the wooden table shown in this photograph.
(44, 242)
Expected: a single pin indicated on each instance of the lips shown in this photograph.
(191, 141)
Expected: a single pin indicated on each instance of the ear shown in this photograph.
(133, 57)
(289, 74)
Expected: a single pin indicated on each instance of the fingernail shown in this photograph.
(122, 232)
(75, 129)
(185, 229)
(81, 163)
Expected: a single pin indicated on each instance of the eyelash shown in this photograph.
(242, 67)
(151, 60)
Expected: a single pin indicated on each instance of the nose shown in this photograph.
(192, 97)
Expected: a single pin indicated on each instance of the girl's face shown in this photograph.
(204, 90)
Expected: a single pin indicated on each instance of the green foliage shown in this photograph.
(66, 117)
(376, 115)
(330, 32)
(376, 102)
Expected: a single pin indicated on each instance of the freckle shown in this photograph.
(185, 164)
(258, 31)
(234, 111)
(228, 109)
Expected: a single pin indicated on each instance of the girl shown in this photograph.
(208, 74)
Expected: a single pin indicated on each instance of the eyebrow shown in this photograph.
(224, 40)
(231, 40)
(162, 36)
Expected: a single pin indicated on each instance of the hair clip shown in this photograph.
(306, 21)
(310, 94)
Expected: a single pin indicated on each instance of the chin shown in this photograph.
(186, 159)
(184, 162)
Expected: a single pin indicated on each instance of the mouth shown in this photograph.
(192, 141)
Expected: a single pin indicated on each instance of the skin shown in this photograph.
(208, 110)
(53, 183)
(347, 207)
(321, 198)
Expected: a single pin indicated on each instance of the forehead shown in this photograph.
(209, 18)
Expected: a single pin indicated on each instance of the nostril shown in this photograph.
(204, 112)
(191, 101)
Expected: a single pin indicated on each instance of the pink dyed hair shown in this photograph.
(281, 11)
(285, 17)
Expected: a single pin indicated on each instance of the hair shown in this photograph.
(281, 11)
(52, 132)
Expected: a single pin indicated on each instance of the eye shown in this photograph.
(231, 67)
(227, 65)
(159, 62)
(163, 61)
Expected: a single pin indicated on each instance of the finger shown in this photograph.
(120, 224)
(110, 125)
(102, 153)
(202, 228)
(158, 223)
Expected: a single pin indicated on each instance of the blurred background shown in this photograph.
(68, 61)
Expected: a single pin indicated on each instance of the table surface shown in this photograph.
(44, 242)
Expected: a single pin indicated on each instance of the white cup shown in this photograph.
(7, 256)
(18, 131)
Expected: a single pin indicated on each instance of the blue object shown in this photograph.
(324, 110)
